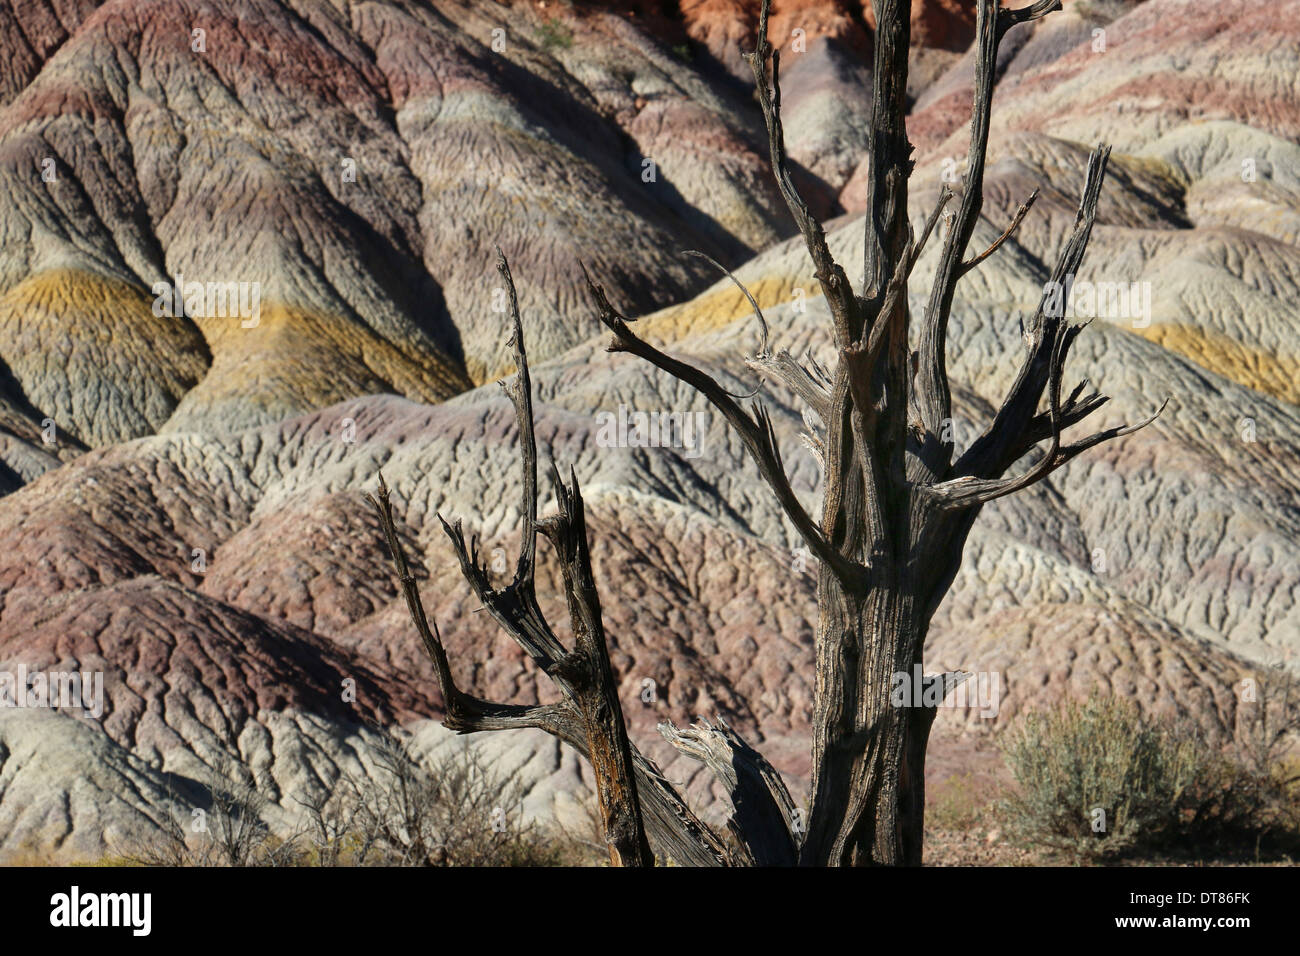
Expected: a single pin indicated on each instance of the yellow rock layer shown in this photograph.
(1272, 373)
(319, 359)
(63, 315)
(716, 309)
(290, 357)
(74, 290)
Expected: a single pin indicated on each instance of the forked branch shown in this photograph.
(1018, 425)
(755, 430)
(590, 716)
(834, 282)
(464, 712)
(1021, 212)
(934, 400)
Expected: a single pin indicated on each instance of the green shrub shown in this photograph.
(1095, 780)
(554, 35)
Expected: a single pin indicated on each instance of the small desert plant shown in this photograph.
(452, 810)
(554, 35)
(230, 831)
(1250, 792)
(332, 835)
(1268, 720)
(235, 817)
(1095, 779)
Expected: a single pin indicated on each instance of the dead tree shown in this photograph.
(590, 716)
(898, 504)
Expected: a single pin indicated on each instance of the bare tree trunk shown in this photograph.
(865, 747)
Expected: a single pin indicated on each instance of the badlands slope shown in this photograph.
(197, 530)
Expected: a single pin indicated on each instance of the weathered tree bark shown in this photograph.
(591, 711)
(896, 509)
(765, 819)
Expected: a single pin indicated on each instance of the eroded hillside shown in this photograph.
(196, 528)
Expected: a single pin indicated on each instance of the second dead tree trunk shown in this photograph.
(898, 505)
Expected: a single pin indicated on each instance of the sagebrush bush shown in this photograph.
(1097, 780)
(553, 35)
